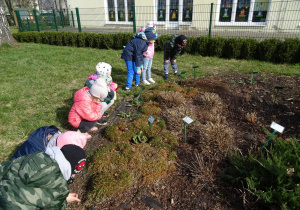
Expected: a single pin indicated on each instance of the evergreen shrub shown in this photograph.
(267, 49)
(215, 46)
(271, 50)
(272, 177)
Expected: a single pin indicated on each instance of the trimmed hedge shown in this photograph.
(271, 50)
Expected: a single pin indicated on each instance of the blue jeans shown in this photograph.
(147, 68)
(131, 73)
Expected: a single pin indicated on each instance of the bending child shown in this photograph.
(40, 180)
(133, 55)
(86, 110)
(172, 49)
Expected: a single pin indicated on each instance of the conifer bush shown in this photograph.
(273, 176)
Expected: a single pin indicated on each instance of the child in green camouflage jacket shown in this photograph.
(172, 49)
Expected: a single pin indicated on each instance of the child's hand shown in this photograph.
(73, 197)
(139, 72)
(115, 86)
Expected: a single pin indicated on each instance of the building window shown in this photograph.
(173, 10)
(187, 10)
(111, 10)
(161, 13)
(121, 10)
(242, 12)
(130, 3)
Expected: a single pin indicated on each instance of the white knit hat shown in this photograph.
(99, 88)
(103, 69)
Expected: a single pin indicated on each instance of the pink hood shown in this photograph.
(150, 51)
(71, 137)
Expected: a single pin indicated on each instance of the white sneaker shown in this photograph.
(151, 80)
(145, 82)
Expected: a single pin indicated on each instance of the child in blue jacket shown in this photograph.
(133, 55)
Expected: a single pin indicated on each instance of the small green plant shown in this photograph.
(140, 138)
(124, 114)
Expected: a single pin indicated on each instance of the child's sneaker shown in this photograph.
(151, 80)
(94, 129)
(101, 122)
(166, 76)
(105, 114)
(127, 89)
(177, 73)
(145, 82)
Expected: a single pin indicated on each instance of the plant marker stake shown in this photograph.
(188, 121)
(253, 73)
(182, 73)
(277, 90)
(195, 71)
(137, 104)
(150, 121)
(276, 128)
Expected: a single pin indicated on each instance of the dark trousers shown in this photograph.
(85, 125)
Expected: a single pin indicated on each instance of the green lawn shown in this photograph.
(13, 29)
(38, 81)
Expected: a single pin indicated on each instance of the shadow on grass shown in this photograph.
(63, 112)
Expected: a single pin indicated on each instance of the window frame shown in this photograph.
(167, 18)
(233, 15)
(116, 22)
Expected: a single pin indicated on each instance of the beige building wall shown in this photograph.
(93, 13)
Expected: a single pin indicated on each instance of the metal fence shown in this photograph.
(50, 20)
(277, 19)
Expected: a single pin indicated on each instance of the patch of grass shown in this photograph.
(13, 29)
(117, 166)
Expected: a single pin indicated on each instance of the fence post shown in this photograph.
(36, 20)
(73, 19)
(78, 19)
(28, 25)
(210, 19)
(134, 23)
(61, 14)
(19, 21)
(54, 16)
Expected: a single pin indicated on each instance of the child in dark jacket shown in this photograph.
(172, 49)
(133, 55)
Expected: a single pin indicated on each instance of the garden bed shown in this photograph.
(229, 113)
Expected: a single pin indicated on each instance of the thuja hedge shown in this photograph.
(272, 50)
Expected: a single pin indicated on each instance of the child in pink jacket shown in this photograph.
(148, 57)
(86, 110)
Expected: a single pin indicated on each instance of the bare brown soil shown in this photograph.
(180, 189)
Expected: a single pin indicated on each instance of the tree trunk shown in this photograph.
(10, 10)
(5, 35)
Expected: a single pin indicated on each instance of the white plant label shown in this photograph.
(188, 120)
(277, 127)
(151, 119)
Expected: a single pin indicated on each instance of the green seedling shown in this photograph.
(140, 138)
(124, 114)
(182, 73)
(277, 90)
(253, 74)
(195, 71)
